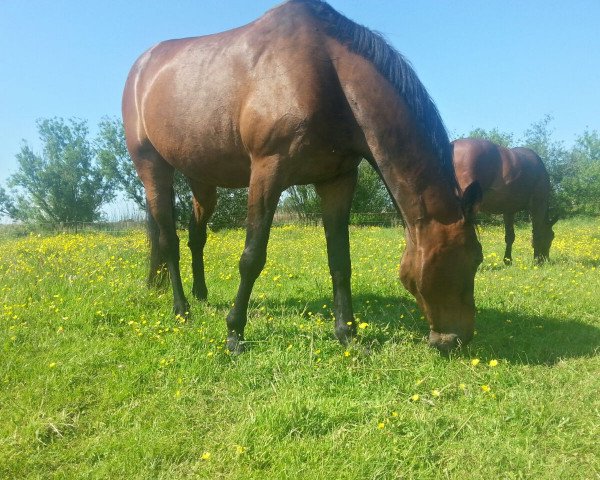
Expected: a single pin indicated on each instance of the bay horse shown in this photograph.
(512, 180)
(300, 96)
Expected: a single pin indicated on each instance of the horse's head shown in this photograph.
(542, 238)
(438, 267)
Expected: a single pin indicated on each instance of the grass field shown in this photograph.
(98, 380)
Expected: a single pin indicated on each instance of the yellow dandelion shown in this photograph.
(239, 449)
(462, 386)
(346, 353)
(349, 324)
(394, 414)
(485, 388)
(381, 425)
(415, 397)
(493, 363)
(435, 393)
(363, 325)
(475, 362)
(205, 456)
(52, 365)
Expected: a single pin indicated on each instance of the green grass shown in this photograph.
(98, 380)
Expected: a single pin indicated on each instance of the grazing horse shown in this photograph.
(300, 96)
(512, 180)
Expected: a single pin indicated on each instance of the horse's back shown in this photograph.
(508, 177)
(476, 160)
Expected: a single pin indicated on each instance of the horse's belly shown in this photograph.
(203, 144)
(219, 168)
(504, 201)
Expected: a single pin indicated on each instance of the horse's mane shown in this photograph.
(396, 69)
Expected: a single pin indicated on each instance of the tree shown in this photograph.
(232, 208)
(7, 206)
(303, 201)
(581, 183)
(116, 163)
(62, 184)
(538, 137)
(371, 196)
(504, 139)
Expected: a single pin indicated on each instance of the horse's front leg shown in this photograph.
(263, 195)
(204, 202)
(336, 200)
(509, 236)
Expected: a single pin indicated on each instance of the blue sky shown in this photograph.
(492, 63)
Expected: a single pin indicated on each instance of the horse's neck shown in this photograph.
(418, 187)
(396, 146)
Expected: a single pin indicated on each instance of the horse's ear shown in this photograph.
(471, 198)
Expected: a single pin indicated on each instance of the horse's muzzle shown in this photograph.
(446, 342)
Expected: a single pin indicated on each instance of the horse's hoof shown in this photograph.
(508, 261)
(235, 345)
(182, 311)
(345, 335)
(200, 294)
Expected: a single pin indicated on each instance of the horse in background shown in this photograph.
(512, 180)
(300, 96)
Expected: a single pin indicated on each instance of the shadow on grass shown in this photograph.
(508, 335)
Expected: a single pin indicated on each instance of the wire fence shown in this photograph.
(281, 218)
(387, 219)
(382, 219)
(46, 228)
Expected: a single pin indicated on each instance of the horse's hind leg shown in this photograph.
(157, 176)
(204, 202)
(263, 195)
(509, 236)
(158, 274)
(336, 199)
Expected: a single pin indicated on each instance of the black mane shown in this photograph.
(396, 69)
